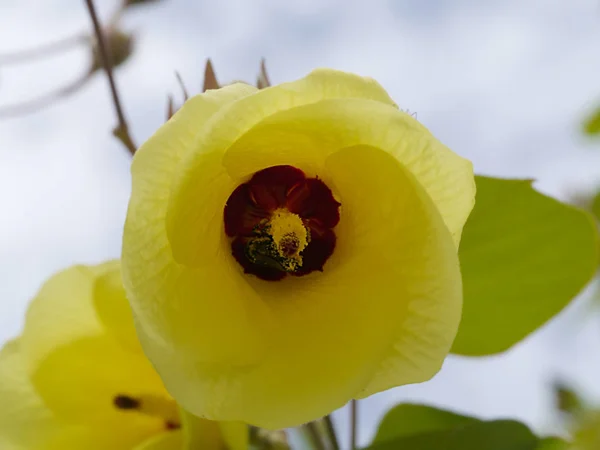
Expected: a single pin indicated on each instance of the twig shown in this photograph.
(44, 101)
(332, 436)
(186, 96)
(121, 131)
(353, 423)
(43, 51)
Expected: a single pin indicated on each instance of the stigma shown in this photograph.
(290, 237)
(150, 406)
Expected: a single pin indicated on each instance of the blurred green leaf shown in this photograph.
(552, 443)
(407, 419)
(523, 256)
(586, 434)
(567, 399)
(592, 124)
(596, 206)
(493, 435)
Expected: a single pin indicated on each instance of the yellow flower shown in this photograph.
(77, 378)
(289, 249)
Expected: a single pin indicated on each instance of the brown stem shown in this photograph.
(353, 423)
(121, 131)
(184, 91)
(315, 435)
(332, 436)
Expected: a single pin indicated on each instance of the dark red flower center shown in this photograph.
(281, 223)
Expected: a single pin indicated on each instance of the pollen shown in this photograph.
(289, 235)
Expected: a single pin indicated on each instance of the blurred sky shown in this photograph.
(504, 83)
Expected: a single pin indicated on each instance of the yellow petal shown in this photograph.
(421, 257)
(113, 310)
(166, 441)
(210, 435)
(395, 271)
(236, 435)
(80, 380)
(117, 437)
(25, 422)
(63, 310)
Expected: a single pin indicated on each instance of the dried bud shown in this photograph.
(119, 45)
(263, 79)
(210, 79)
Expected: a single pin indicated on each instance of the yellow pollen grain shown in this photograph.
(290, 236)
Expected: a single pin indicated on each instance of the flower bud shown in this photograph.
(119, 46)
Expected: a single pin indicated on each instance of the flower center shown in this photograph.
(281, 223)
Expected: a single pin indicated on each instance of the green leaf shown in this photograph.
(592, 124)
(523, 256)
(494, 435)
(407, 419)
(420, 427)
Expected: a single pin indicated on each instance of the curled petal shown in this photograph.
(66, 298)
(171, 298)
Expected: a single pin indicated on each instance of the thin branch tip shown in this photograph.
(122, 130)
